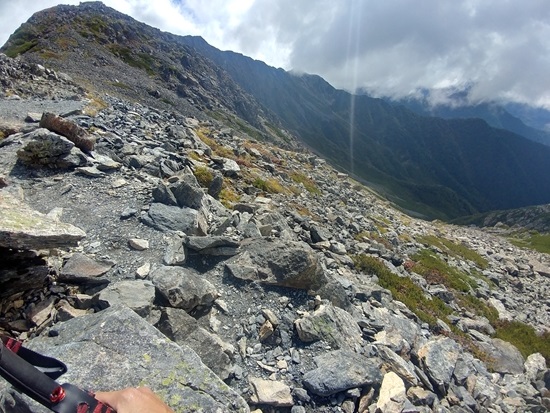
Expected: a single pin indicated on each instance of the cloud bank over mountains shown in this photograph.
(498, 50)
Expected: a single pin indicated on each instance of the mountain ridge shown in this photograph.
(408, 155)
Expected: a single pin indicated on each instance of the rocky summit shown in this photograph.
(143, 246)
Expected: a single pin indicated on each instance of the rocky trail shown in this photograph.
(144, 247)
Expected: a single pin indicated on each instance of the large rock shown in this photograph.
(24, 228)
(69, 129)
(183, 288)
(184, 329)
(188, 192)
(288, 264)
(46, 148)
(504, 357)
(438, 359)
(332, 324)
(217, 245)
(138, 295)
(341, 370)
(173, 218)
(392, 390)
(81, 269)
(116, 348)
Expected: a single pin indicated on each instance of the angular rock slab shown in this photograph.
(180, 327)
(116, 348)
(82, 269)
(24, 228)
(172, 218)
(505, 357)
(289, 264)
(341, 370)
(438, 358)
(273, 393)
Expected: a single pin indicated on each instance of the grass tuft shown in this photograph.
(308, 183)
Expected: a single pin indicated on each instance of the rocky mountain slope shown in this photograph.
(438, 168)
(151, 247)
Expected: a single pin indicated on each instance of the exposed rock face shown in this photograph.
(116, 349)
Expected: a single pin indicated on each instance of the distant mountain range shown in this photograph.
(531, 123)
(435, 167)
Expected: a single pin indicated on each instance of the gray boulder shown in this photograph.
(289, 264)
(81, 269)
(332, 324)
(183, 288)
(116, 348)
(215, 245)
(438, 359)
(341, 370)
(184, 329)
(173, 218)
(187, 191)
(504, 357)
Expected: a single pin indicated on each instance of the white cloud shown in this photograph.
(498, 48)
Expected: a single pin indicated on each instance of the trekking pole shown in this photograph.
(34, 375)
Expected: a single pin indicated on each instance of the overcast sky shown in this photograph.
(500, 48)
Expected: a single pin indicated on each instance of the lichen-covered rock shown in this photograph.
(116, 348)
(332, 324)
(213, 351)
(135, 294)
(24, 228)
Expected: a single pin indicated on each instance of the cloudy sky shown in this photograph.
(498, 48)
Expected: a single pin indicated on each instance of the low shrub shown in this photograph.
(524, 337)
(427, 309)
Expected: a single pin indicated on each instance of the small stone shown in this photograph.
(138, 244)
(119, 183)
(143, 271)
(266, 331)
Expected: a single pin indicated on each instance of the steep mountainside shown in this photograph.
(440, 168)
